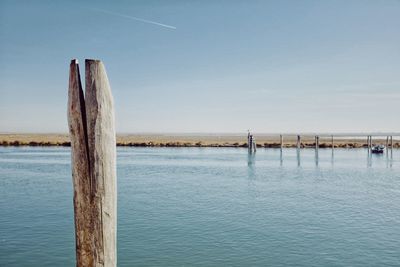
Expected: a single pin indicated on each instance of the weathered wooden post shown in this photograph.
(93, 160)
(332, 144)
(369, 142)
(298, 142)
(249, 140)
(391, 142)
(251, 143)
(316, 142)
(281, 140)
(387, 142)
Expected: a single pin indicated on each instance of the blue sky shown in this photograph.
(271, 66)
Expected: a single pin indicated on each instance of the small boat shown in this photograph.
(378, 149)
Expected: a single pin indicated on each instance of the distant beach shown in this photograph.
(199, 140)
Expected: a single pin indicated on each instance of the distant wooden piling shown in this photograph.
(387, 142)
(391, 142)
(316, 142)
(251, 143)
(298, 144)
(93, 158)
(281, 140)
(332, 143)
(369, 142)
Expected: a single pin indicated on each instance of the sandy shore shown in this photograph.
(210, 140)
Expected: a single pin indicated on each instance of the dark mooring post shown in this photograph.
(391, 142)
(387, 142)
(281, 140)
(316, 142)
(369, 142)
(93, 151)
(332, 144)
(298, 142)
(251, 143)
(248, 142)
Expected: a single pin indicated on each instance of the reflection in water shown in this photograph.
(250, 163)
(389, 158)
(251, 159)
(298, 156)
(378, 157)
(369, 158)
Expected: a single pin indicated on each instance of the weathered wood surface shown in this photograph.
(93, 147)
(102, 154)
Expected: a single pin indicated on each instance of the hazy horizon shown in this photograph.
(207, 67)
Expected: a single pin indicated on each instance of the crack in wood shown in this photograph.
(93, 157)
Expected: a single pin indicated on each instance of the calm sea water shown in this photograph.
(212, 207)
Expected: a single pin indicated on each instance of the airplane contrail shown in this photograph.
(135, 18)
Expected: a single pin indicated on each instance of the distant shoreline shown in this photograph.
(212, 140)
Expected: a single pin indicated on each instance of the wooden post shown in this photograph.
(249, 142)
(332, 144)
(93, 158)
(248, 139)
(281, 140)
(369, 141)
(391, 142)
(298, 142)
(387, 142)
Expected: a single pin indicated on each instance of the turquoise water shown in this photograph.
(212, 207)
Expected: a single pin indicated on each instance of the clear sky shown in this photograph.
(207, 66)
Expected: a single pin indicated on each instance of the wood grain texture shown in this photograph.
(80, 168)
(102, 159)
(93, 158)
